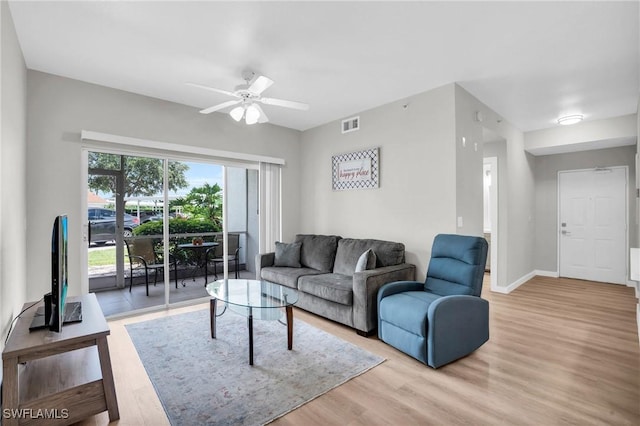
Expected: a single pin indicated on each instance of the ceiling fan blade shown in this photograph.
(220, 106)
(213, 89)
(263, 117)
(284, 103)
(260, 84)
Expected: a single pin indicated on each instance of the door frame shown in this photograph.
(493, 212)
(122, 145)
(626, 213)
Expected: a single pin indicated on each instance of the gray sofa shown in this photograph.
(326, 278)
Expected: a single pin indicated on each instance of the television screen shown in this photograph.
(59, 267)
(56, 310)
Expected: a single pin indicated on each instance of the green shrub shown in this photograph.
(178, 226)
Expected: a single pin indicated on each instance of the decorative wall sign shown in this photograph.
(356, 170)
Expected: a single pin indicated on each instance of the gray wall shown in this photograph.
(546, 211)
(13, 142)
(515, 199)
(427, 179)
(59, 108)
(417, 195)
(469, 192)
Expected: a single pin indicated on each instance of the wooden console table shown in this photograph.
(58, 378)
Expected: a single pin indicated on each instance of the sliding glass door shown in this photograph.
(160, 228)
(125, 268)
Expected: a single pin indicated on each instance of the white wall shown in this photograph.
(546, 213)
(597, 134)
(59, 108)
(417, 195)
(13, 140)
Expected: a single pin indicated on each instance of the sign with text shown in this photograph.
(350, 171)
(356, 170)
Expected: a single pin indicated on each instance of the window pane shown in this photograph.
(102, 161)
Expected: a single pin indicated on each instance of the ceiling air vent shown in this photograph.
(351, 124)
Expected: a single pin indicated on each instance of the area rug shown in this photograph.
(201, 380)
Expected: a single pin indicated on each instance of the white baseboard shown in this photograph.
(517, 283)
(552, 274)
(502, 290)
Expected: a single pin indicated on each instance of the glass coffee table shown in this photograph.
(254, 299)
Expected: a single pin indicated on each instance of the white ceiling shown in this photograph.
(529, 61)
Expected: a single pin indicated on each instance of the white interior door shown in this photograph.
(593, 224)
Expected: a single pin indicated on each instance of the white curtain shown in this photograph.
(270, 207)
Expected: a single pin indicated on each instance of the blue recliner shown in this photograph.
(444, 318)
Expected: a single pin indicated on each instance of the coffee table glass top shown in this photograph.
(258, 298)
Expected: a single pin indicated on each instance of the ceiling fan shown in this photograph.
(248, 97)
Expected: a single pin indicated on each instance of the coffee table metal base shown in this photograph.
(289, 311)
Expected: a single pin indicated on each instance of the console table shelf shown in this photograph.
(58, 378)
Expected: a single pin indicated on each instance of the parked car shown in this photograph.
(155, 218)
(102, 225)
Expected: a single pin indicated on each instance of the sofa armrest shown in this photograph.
(458, 325)
(365, 292)
(263, 260)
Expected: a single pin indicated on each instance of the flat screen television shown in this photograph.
(56, 310)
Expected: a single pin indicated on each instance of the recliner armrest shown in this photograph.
(399, 287)
(458, 325)
(263, 260)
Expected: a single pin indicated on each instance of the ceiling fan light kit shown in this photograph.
(237, 113)
(252, 114)
(249, 95)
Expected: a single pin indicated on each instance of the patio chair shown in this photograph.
(216, 256)
(143, 255)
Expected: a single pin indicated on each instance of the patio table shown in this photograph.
(199, 255)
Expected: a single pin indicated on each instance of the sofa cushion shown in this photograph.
(366, 261)
(349, 251)
(285, 276)
(334, 287)
(287, 255)
(318, 251)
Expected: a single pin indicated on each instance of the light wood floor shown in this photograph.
(561, 351)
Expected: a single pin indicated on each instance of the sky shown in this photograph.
(199, 174)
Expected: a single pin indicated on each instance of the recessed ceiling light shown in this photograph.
(570, 119)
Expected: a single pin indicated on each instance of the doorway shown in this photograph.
(183, 215)
(490, 200)
(593, 224)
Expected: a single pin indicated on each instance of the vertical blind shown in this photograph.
(270, 206)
